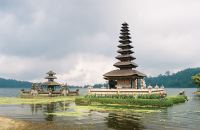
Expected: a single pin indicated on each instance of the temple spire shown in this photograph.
(51, 76)
(125, 58)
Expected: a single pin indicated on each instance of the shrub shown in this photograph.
(130, 100)
(111, 96)
(147, 96)
(177, 99)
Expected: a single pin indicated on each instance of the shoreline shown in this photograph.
(9, 124)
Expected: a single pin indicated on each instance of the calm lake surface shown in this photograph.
(184, 116)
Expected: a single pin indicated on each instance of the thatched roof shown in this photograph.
(125, 33)
(126, 64)
(124, 73)
(51, 77)
(125, 57)
(124, 24)
(125, 46)
(125, 50)
(125, 37)
(125, 41)
(51, 83)
(51, 73)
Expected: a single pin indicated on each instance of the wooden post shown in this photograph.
(135, 84)
(131, 83)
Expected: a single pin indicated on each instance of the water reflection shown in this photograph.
(184, 116)
(124, 121)
(46, 109)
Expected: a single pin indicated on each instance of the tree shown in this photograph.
(196, 79)
(167, 73)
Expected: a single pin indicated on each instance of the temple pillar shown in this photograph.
(135, 84)
(131, 83)
(143, 84)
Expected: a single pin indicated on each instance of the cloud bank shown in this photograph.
(78, 39)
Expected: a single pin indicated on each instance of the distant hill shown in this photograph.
(11, 83)
(181, 79)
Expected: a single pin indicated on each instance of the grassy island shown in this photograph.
(137, 101)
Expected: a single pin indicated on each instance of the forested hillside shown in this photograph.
(13, 83)
(180, 79)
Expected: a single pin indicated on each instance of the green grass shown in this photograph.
(165, 102)
(146, 96)
(35, 100)
(177, 99)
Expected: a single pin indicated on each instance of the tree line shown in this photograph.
(181, 79)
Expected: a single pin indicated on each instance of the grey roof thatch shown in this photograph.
(124, 24)
(125, 33)
(125, 37)
(125, 41)
(51, 73)
(51, 83)
(122, 73)
(126, 64)
(125, 57)
(51, 77)
(125, 46)
(125, 51)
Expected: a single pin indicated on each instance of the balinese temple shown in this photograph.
(51, 84)
(126, 76)
(49, 88)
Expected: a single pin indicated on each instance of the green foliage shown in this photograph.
(34, 100)
(131, 101)
(180, 79)
(196, 79)
(147, 96)
(14, 83)
(142, 96)
(177, 99)
(111, 96)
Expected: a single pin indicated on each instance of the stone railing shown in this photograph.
(93, 91)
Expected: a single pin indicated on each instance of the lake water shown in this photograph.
(184, 116)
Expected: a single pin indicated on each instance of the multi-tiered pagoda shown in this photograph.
(126, 76)
(51, 84)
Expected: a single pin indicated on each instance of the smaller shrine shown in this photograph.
(49, 88)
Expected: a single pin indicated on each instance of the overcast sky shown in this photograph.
(78, 38)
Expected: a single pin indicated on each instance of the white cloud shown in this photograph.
(77, 69)
(74, 38)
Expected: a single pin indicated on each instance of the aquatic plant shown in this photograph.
(132, 101)
(35, 100)
(151, 96)
(177, 99)
(111, 96)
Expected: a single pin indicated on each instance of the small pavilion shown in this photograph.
(49, 88)
(126, 76)
(51, 84)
